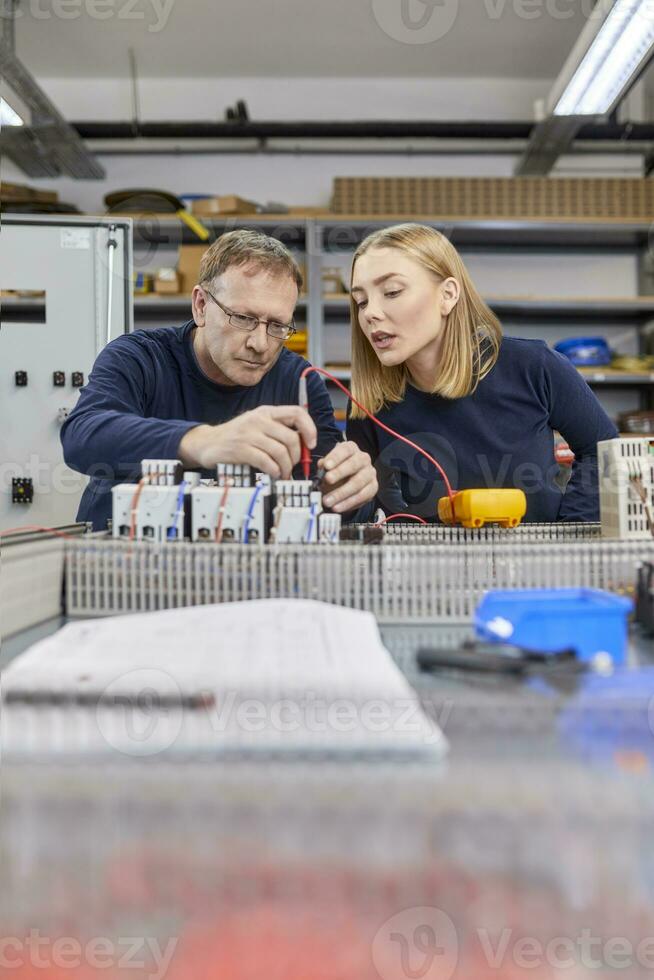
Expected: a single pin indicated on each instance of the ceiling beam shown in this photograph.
(382, 129)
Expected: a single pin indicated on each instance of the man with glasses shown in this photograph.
(222, 388)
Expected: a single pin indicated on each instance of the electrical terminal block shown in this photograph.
(232, 514)
(295, 493)
(296, 516)
(162, 472)
(157, 513)
(329, 528)
(362, 535)
(22, 490)
(626, 487)
(240, 507)
(236, 475)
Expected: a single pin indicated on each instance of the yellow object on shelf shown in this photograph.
(474, 508)
(633, 364)
(143, 283)
(194, 224)
(298, 342)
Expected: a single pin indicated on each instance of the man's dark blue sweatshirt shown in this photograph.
(146, 391)
(500, 436)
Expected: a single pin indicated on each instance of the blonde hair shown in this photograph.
(472, 334)
(248, 248)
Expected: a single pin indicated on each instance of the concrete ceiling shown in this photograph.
(310, 38)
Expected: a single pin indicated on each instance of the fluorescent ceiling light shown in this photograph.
(8, 116)
(619, 51)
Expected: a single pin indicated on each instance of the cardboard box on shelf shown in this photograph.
(206, 207)
(188, 265)
(168, 282)
(332, 281)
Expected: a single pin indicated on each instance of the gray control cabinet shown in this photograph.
(66, 291)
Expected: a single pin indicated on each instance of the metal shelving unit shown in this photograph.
(634, 307)
(595, 377)
(343, 233)
(320, 238)
(346, 231)
(639, 308)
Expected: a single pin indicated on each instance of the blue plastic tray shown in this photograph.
(585, 351)
(589, 621)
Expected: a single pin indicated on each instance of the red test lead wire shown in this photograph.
(386, 428)
(29, 528)
(305, 456)
(401, 517)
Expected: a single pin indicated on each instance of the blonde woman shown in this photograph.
(429, 359)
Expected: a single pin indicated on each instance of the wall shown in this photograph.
(307, 179)
(298, 178)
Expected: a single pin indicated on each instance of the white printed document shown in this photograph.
(281, 675)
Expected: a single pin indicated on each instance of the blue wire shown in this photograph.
(250, 513)
(173, 531)
(311, 522)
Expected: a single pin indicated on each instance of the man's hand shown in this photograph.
(267, 438)
(350, 478)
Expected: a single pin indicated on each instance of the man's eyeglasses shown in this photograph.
(280, 331)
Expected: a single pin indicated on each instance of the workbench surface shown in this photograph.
(537, 825)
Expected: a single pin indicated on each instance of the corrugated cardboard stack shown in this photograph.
(575, 199)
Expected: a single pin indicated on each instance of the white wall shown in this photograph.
(299, 98)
